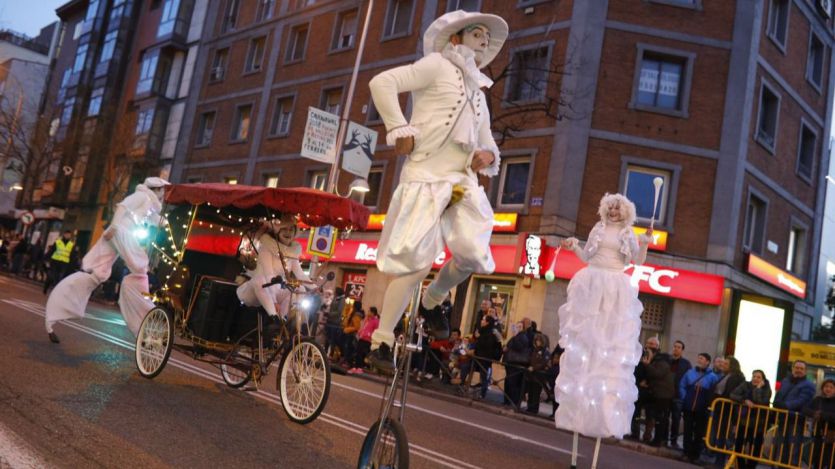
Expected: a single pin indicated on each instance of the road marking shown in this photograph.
(417, 450)
(15, 453)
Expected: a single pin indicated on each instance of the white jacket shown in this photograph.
(440, 101)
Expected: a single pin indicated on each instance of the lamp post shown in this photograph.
(333, 174)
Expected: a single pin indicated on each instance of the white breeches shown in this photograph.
(251, 293)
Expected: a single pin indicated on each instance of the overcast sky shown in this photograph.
(28, 16)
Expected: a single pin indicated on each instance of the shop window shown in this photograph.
(466, 5)
(206, 128)
(331, 100)
(754, 233)
(318, 179)
(639, 188)
(796, 252)
(230, 16)
(218, 70)
(527, 79)
(255, 56)
(663, 80)
(240, 124)
(297, 44)
(375, 183)
(398, 17)
(264, 10)
(778, 22)
(271, 180)
(500, 293)
(282, 116)
(815, 61)
(767, 121)
(806, 152)
(346, 30)
(514, 178)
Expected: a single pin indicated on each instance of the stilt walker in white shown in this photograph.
(448, 141)
(69, 298)
(600, 326)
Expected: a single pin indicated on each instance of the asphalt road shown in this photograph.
(82, 403)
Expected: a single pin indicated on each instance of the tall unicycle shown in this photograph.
(154, 342)
(304, 381)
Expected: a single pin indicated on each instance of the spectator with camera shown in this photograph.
(679, 366)
(661, 390)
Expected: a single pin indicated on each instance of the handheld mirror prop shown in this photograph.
(657, 182)
(549, 274)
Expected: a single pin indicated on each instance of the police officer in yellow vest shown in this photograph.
(60, 255)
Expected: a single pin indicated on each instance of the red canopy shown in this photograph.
(314, 207)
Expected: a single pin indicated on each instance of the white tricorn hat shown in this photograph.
(154, 182)
(437, 34)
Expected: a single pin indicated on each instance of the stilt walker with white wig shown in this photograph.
(600, 326)
(69, 298)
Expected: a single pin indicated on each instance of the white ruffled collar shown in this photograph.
(464, 58)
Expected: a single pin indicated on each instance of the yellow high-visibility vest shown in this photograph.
(62, 251)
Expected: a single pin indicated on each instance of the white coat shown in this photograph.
(270, 265)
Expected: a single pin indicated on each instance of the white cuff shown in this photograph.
(400, 132)
(493, 169)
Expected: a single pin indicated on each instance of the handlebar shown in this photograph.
(277, 280)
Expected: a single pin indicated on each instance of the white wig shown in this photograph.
(627, 208)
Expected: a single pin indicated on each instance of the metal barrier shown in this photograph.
(766, 435)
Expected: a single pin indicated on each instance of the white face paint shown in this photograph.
(476, 39)
(614, 213)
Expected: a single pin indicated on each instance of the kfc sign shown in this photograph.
(658, 242)
(775, 276)
(530, 247)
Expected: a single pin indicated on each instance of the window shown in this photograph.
(796, 253)
(398, 17)
(662, 80)
(639, 188)
(513, 183)
(346, 30)
(318, 180)
(206, 128)
(767, 120)
(778, 22)
(144, 121)
(108, 47)
(116, 13)
(163, 73)
(62, 90)
(282, 116)
(331, 100)
(696, 4)
(240, 125)
(92, 11)
(80, 58)
(230, 180)
(169, 17)
(299, 4)
(264, 10)
(806, 152)
(255, 56)
(814, 63)
(147, 71)
(230, 16)
(375, 184)
(754, 233)
(528, 75)
(66, 115)
(271, 180)
(297, 44)
(218, 69)
(466, 5)
(94, 108)
(373, 116)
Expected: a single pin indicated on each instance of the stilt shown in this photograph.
(574, 450)
(596, 453)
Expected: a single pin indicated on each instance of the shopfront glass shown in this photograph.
(759, 336)
(500, 292)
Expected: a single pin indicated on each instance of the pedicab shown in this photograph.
(205, 239)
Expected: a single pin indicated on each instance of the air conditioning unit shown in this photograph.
(216, 74)
(825, 8)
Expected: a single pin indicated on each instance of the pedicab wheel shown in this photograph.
(154, 342)
(234, 376)
(304, 381)
(392, 450)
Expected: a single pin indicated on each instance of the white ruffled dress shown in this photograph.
(600, 326)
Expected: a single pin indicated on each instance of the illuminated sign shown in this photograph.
(812, 353)
(659, 238)
(502, 222)
(530, 249)
(776, 276)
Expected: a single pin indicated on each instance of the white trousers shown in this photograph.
(69, 298)
(251, 293)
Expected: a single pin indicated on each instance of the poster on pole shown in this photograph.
(358, 150)
(319, 141)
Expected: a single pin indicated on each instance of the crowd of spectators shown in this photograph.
(674, 395)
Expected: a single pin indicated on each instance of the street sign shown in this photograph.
(27, 218)
(319, 141)
(358, 149)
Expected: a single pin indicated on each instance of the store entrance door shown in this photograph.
(500, 293)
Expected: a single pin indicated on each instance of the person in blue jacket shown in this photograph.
(695, 391)
(795, 393)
